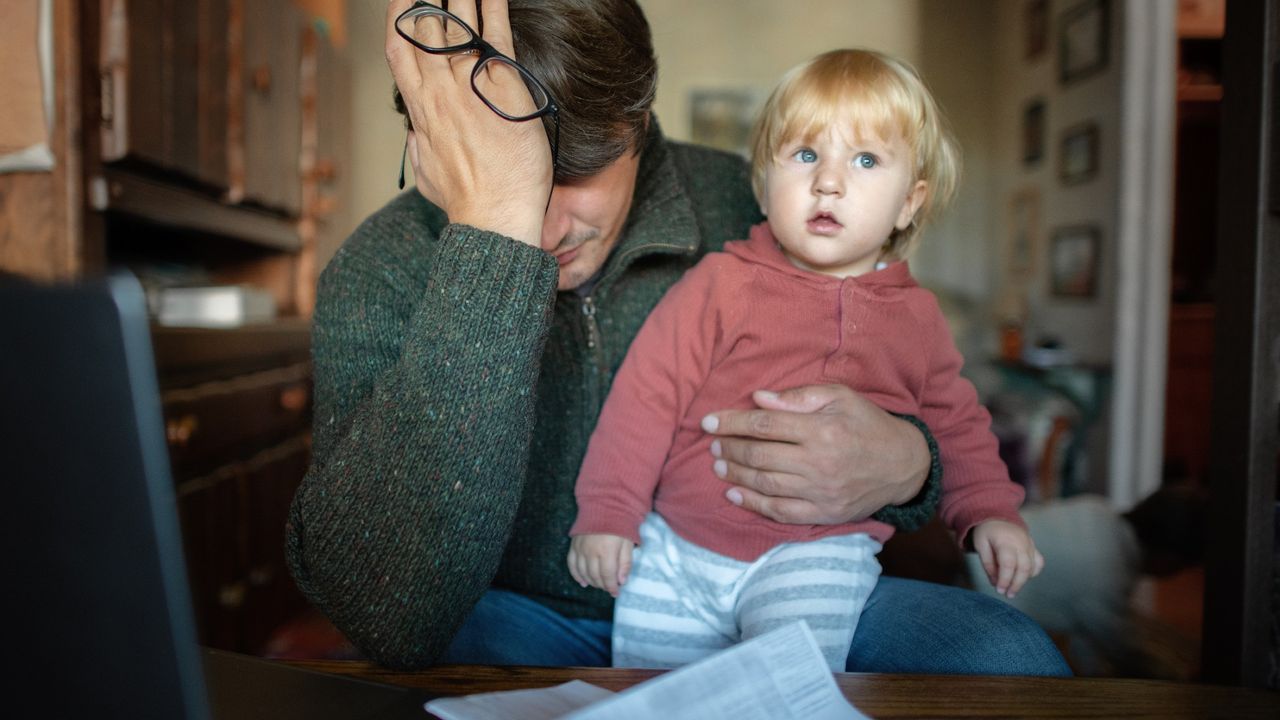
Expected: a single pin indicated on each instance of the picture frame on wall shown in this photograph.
(1078, 154)
(1073, 261)
(1036, 19)
(1022, 250)
(1083, 40)
(1033, 115)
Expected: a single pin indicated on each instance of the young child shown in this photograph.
(850, 156)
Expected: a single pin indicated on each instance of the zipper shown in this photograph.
(593, 334)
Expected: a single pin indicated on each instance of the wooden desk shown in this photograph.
(890, 696)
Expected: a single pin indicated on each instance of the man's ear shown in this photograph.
(915, 199)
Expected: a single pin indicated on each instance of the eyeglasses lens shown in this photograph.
(433, 30)
(494, 80)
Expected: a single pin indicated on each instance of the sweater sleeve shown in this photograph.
(665, 365)
(423, 417)
(976, 484)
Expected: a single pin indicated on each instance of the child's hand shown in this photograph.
(1008, 555)
(601, 561)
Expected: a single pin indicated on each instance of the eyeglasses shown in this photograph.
(437, 31)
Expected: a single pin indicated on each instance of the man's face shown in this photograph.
(585, 219)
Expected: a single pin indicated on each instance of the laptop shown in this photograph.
(102, 610)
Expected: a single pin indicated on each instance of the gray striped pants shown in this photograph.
(683, 602)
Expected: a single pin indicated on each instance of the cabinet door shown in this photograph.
(164, 74)
(272, 107)
(271, 480)
(209, 510)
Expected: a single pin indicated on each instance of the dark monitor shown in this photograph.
(101, 607)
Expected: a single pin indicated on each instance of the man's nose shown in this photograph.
(555, 225)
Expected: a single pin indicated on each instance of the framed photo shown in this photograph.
(1073, 261)
(1036, 21)
(1083, 39)
(722, 118)
(1022, 250)
(1078, 156)
(1033, 131)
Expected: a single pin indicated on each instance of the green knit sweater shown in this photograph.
(455, 394)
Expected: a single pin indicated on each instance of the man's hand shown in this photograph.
(1008, 555)
(818, 454)
(481, 169)
(601, 561)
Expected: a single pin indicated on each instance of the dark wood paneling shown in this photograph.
(1239, 577)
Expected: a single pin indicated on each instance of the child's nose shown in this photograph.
(828, 182)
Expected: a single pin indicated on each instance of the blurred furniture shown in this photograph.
(203, 142)
(1043, 416)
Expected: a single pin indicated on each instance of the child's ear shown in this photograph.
(919, 193)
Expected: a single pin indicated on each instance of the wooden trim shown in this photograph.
(1238, 613)
(169, 205)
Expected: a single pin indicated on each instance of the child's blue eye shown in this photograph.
(806, 155)
(865, 160)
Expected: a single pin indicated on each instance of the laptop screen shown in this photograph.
(103, 607)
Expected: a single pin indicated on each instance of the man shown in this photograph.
(463, 348)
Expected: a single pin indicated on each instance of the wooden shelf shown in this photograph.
(186, 355)
(134, 194)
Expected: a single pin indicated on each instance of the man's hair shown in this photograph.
(1172, 525)
(871, 94)
(596, 57)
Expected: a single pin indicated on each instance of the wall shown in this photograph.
(377, 131)
(1086, 326)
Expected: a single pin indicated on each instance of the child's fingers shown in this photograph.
(1007, 562)
(1020, 575)
(572, 562)
(609, 573)
(988, 562)
(624, 562)
(1039, 564)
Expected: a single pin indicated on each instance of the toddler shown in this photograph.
(850, 156)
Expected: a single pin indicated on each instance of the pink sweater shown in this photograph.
(745, 320)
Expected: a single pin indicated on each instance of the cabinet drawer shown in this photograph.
(211, 424)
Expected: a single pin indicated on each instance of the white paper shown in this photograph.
(541, 704)
(777, 676)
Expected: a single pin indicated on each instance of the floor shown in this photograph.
(1173, 610)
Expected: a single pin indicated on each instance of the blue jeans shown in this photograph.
(907, 626)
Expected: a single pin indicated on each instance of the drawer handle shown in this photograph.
(261, 575)
(178, 431)
(294, 398)
(261, 79)
(232, 596)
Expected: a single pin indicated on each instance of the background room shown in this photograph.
(1076, 265)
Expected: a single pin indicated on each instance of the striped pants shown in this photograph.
(683, 602)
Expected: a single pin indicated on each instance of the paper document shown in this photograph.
(776, 676)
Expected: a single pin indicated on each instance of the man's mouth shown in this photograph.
(567, 256)
(824, 223)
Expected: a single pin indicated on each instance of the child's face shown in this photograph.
(833, 202)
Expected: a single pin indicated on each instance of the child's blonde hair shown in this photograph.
(872, 93)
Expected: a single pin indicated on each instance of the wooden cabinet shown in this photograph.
(203, 142)
(238, 433)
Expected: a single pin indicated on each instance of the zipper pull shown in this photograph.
(589, 311)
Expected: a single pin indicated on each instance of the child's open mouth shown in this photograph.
(824, 223)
